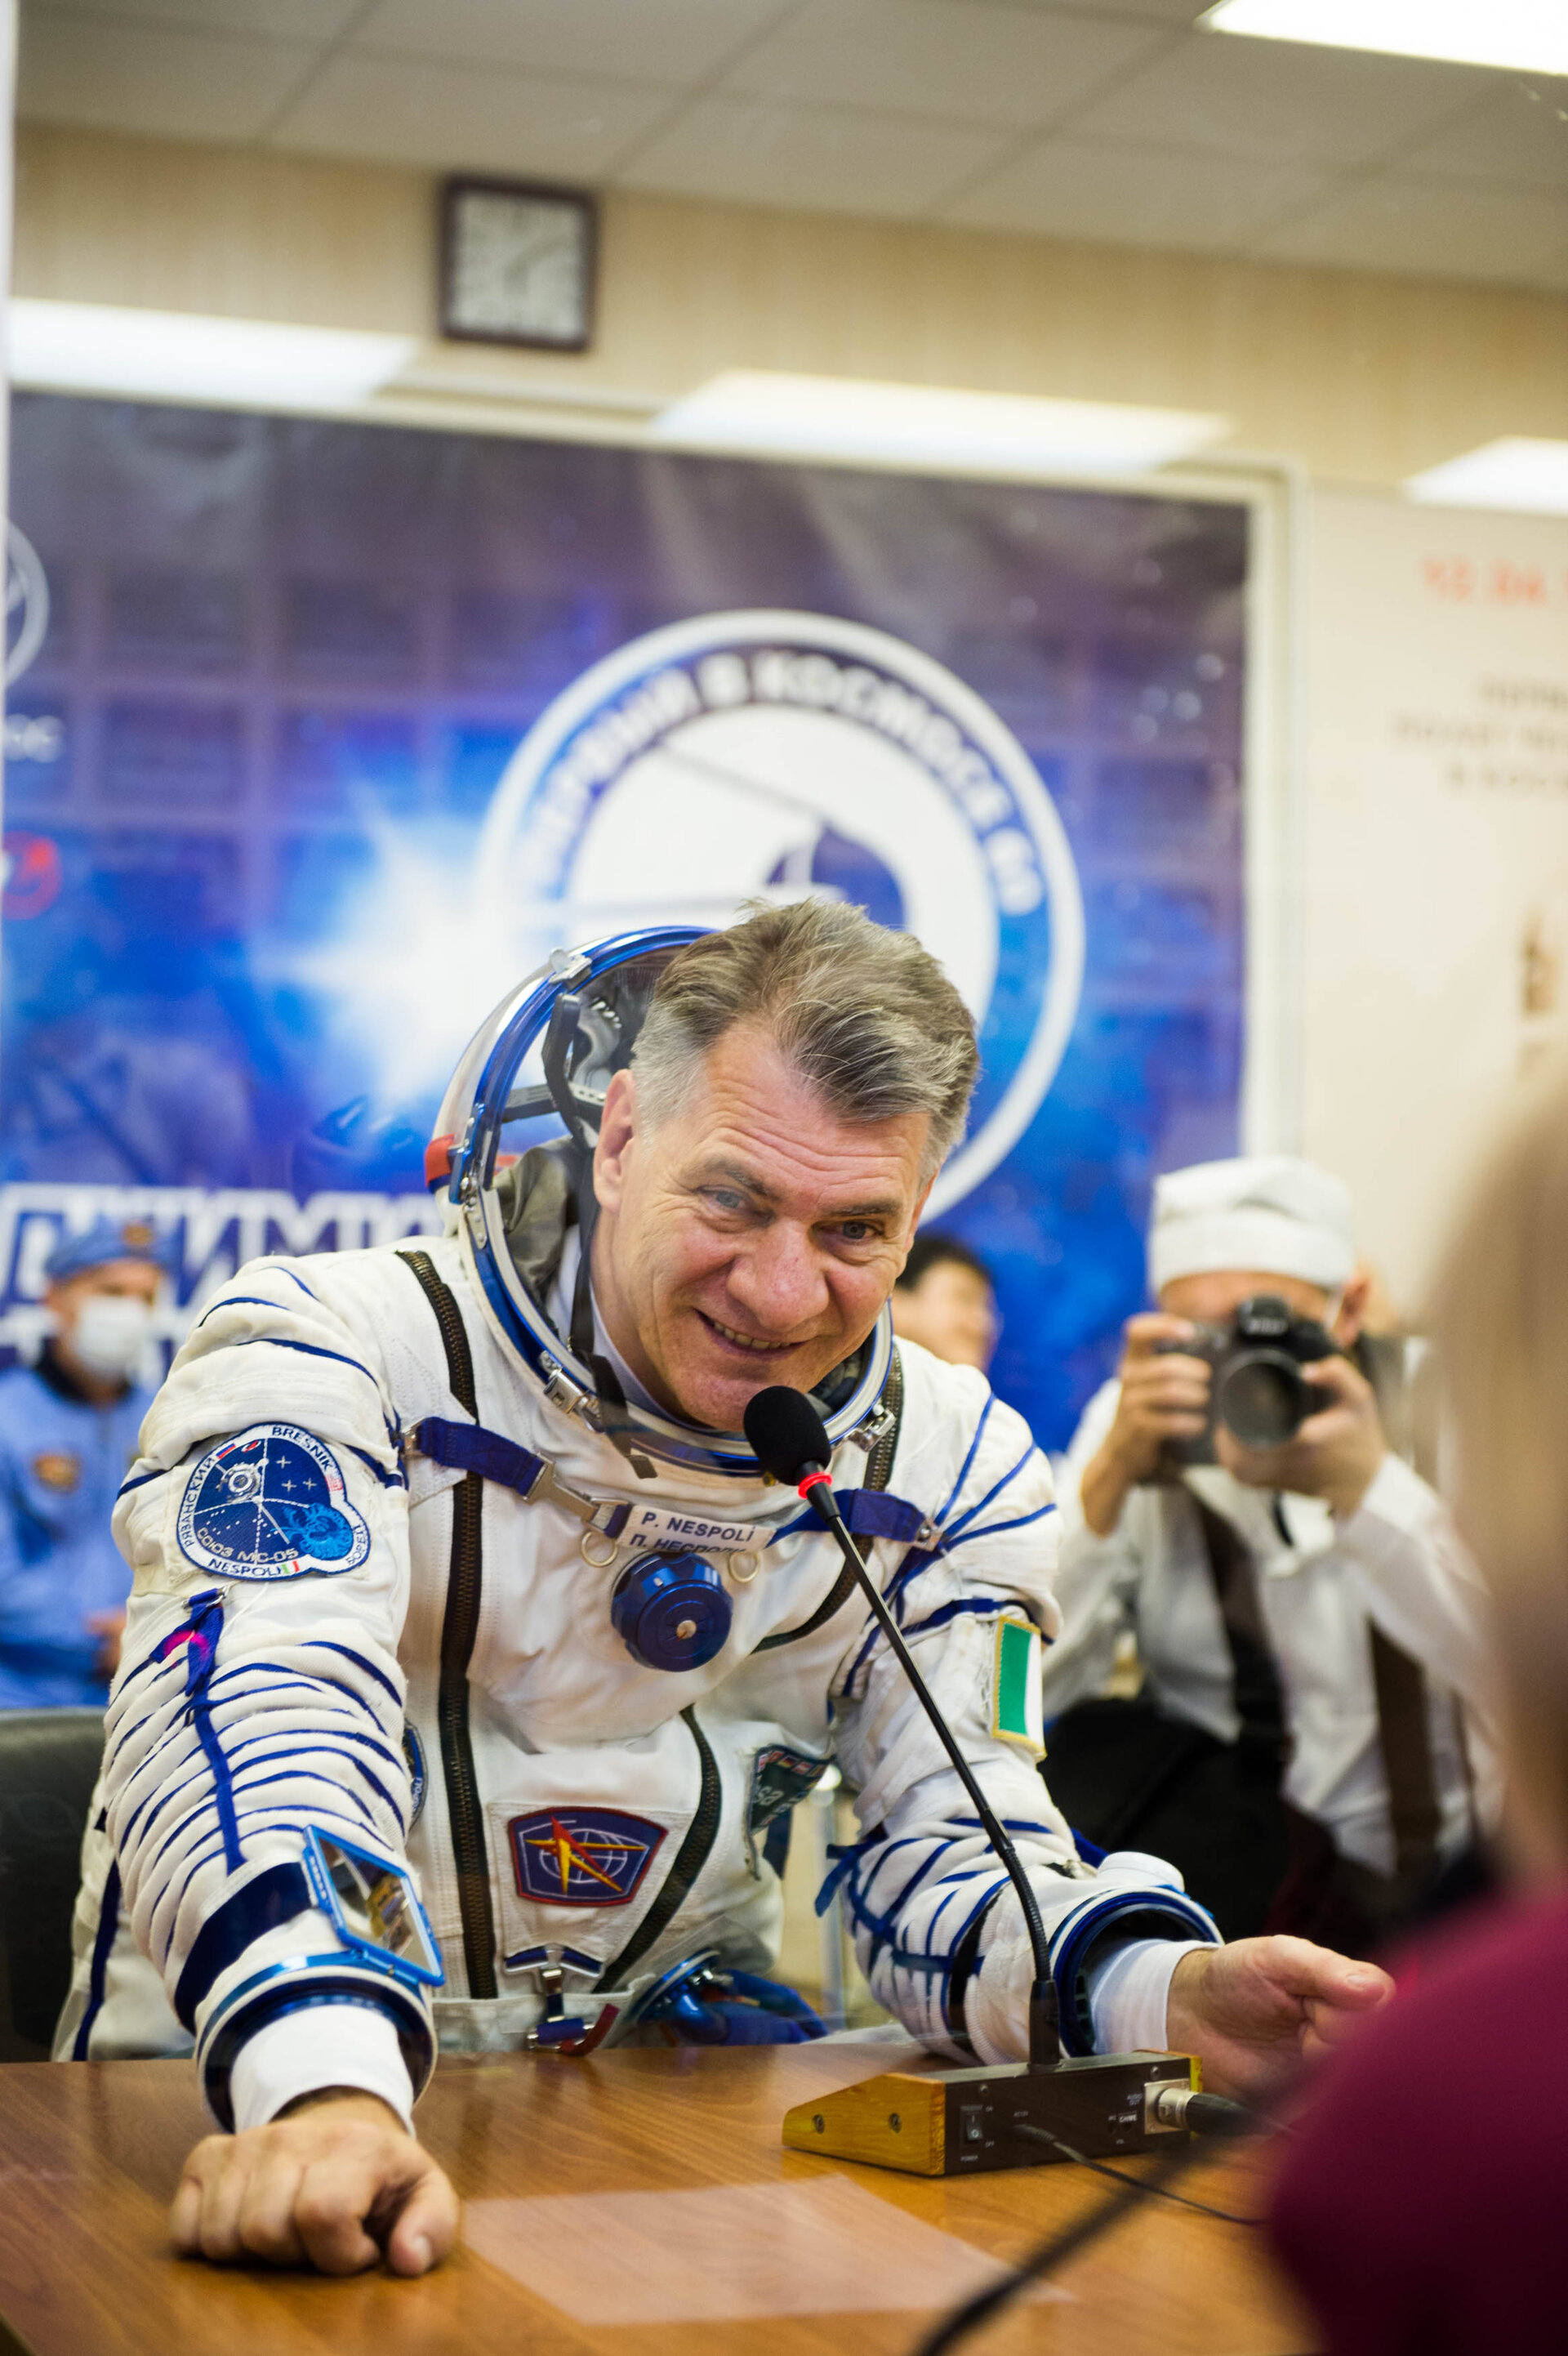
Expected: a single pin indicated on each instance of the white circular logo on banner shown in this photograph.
(780, 755)
(26, 604)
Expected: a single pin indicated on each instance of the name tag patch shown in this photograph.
(647, 1529)
(581, 1857)
(58, 1470)
(271, 1503)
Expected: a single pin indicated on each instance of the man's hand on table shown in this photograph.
(333, 2182)
(1254, 2010)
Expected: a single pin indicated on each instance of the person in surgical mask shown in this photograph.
(67, 1432)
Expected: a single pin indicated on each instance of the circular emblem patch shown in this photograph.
(777, 755)
(271, 1503)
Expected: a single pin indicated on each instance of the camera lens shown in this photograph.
(1262, 1400)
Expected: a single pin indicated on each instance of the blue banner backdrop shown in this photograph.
(321, 734)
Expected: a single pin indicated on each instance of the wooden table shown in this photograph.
(90, 2155)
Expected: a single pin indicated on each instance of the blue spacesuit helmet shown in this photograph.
(534, 1075)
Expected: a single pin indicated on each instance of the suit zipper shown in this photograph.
(459, 1627)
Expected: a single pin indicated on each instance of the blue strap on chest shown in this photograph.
(469, 1447)
(873, 1513)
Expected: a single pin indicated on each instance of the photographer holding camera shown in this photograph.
(1306, 1743)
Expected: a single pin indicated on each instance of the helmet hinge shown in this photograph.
(570, 1397)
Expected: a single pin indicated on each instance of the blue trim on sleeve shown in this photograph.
(994, 1529)
(318, 1775)
(200, 1637)
(965, 1518)
(991, 1605)
(103, 1944)
(388, 1480)
(279, 1895)
(1147, 1914)
(306, 1350)
(281, 1267)
(322, 1644)
(241, 1300)
(138, 1480)
(942, 1514)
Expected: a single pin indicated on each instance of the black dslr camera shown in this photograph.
(1257, 1389)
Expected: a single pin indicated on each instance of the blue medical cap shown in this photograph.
(105, 1241)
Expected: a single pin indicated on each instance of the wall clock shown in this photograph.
(517, 264)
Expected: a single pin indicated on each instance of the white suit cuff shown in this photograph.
(1129, 1990)
(324, 2045)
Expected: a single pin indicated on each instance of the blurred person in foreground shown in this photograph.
(1306, 1742)
(68, 1435)
(1420, 2201)
(356, 1590)
(944, 1300)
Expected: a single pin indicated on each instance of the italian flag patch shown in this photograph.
(1017, 1709)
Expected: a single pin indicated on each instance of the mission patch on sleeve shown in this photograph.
(271, 1503)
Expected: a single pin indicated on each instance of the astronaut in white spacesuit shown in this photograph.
(452, 1580)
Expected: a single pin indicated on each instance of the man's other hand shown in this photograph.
(333, 2182)
(1336, 1453)
(1163, 1397)
(1254, 2011)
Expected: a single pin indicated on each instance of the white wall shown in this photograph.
(1436, 843)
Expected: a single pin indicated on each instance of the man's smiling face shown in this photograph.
(752, 1235)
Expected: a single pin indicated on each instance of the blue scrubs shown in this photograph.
(62, 1459)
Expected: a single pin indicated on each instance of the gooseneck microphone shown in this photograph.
(790, 1441)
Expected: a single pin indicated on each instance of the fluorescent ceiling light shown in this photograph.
(182, 356)
(1531, 478)
(847, 418)
(1528, 36)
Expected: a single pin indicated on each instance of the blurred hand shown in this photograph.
(1254, 2011)
(333, 2182)
(1161, 1399)
(1336, 1453)
(109, 1627)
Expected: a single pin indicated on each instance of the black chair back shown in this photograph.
(49, 1766)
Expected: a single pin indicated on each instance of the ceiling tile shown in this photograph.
(988, 64)
(1444, 229)
(817, 158)
(402, 111)
(153, 79)
(1134, 196)
(1282, 102)
(298, 20)
(672, 42)
(1521, 138)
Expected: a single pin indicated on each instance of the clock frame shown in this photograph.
(524, 193)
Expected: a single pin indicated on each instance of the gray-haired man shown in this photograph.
(482, 1507)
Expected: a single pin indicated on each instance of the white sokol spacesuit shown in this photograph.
(421, 1581)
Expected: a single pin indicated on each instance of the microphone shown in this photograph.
(790, 1441)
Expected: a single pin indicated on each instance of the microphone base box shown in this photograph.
(963, 2122)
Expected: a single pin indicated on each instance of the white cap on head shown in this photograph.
(1264, 1211)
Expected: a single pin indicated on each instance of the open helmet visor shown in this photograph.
(539, 1063)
